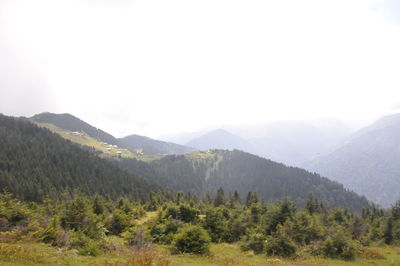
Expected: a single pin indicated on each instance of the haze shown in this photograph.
(162, 67)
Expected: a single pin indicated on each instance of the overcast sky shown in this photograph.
(155, 67)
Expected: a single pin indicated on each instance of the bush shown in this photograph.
(192, 239)
(304, 228)
(280, 245)
(136, 239)
(119, 222)
(164, 232)
(54, 234)
(255, 242)
(84, 244)
(338, 246)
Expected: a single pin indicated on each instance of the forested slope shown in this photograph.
(35, 163)
(368, 162)
(204, 172)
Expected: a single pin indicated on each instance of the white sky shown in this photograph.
(158, 67)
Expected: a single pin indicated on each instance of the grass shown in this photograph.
(201, 155)
(231, 255)
(107, 151)
(221, 254)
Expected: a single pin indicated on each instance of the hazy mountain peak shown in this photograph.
(368, 161)
(220, 139)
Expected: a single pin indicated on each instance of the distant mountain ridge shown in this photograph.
(132, 142)
(203, 172)
(152, 146)
(368, 161)
(220, 139)
(293, 143)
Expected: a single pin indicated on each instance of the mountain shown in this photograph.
(293, 143)
(298, 142)
(36, 163)
(220, 139)
(72, 123)
(68, 126)
(152, 146)
(368, 161)
(203, 172)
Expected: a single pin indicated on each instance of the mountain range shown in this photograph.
(368, 161)
(293, 143)
(37, 163)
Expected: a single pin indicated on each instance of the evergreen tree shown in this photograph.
(220, 197)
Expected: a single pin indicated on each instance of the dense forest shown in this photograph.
(35, 163)
(204, 172)
(183, 224)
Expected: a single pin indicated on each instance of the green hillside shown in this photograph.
(203, 172)
(133, 146)
(153, 147)
(104, 149)
(35, 163)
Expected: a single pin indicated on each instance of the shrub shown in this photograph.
(164, 232)
(54, 234)
(136, 239)
(304, 228)
(280, 246)
(338, 246)
(119, 222)
(84, 244)
(192, 239)
(255, 242)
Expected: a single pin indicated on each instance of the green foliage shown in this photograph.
(304, 228)
(136, 238)
(120, 222)
(254, 241)
(215, 223)
(267, 180)
(55, 234)
(251, 199)
(280, 244)
(279, 213)
(164, 231)
(220, 198)
(84, 244)
(192, 239)
(338, 245)
(12, 211)
(36, 163)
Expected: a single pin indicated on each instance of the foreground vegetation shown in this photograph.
(223, 230)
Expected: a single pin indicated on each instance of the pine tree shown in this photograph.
(220, 198)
